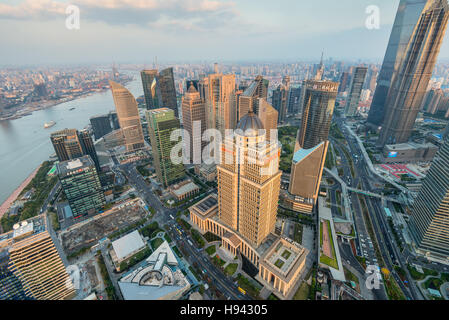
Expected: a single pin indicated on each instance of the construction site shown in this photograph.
(87, 233)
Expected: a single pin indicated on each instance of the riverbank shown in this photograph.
(8, 202)
(23, 111)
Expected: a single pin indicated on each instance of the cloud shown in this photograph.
(186, 14)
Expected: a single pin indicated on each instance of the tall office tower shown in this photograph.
(248, 100)
(319, 69)
(344, 81)
(414, 43)
(195, 84)
(88, 146)
(194, 121)
(71, 144)
(432, 100)
(358, 79)
(409, 86)
(66, 144)
(249, 181)
(114, 120)
(294, 100)
(128, 117)
(219, 95)
(269, 117)
(318, 108)
(373, 81)
(430, 213)
(262, 86)
(166, 82)
(280, 98)
(34, 267)
(305, 177)
(81, 184)
(151, 91)
(161, 123)
(101, 125)
(159, 89)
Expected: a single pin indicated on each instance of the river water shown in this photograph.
(25, 144)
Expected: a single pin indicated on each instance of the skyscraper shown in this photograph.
(161, 123)
(166, 82)
(248, 100)
(34, 267)
(194, 121)
(344, 80)
(417, 25)
(128, 117)
(409, 85)
(71, 144)
(268, 115)
(279, 99)
(305, 177)
(249, 181)
(81, 184)
(430, 212)
(151, 90)
(159, 89)
(101, 125)
(353, 100)
(318, 108)
(219, 95)
(294, 100)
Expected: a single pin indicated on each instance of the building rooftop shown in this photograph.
(207, 205)
(73, 166)
(159, 278)
(23, 230)
(128, 244)
(180, 190)
(250, 124)
(409, 145)
(284, 257)
(301, 154)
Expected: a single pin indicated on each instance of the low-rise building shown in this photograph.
(207, 171)
(184, 189)
(409, 152)
(159, 278)
(280, 278)
(126, 247)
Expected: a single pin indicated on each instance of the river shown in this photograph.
(25, 144)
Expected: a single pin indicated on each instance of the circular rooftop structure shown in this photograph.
(250, 124)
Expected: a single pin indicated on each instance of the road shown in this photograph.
(224, 284)
(389, 250)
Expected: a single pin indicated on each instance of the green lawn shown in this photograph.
(299, 228)
(393, 290)
(279, 263)
(211, 250)
(303, 292)
(176, 250)
(433, 283)
(218, 261)
(323, 258)
(231, 268)
(248, 286)
(155, 243)
(350, 276)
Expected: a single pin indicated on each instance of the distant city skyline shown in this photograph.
(178, 30)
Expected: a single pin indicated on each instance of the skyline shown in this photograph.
(194, 31)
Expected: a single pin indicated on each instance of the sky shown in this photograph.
(135, 31)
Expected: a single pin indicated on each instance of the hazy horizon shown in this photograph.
(135, 31)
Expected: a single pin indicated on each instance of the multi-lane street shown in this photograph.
(195, 255)
(389, 250)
